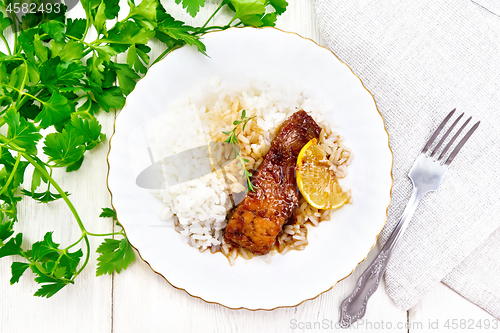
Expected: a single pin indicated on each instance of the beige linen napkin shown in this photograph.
(421, 59)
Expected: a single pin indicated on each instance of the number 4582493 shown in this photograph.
(471, 324)
(27, 8)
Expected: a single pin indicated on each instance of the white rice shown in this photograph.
(198, 207)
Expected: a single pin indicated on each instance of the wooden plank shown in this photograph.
(144, 301)
(443, 309)
(85, 306)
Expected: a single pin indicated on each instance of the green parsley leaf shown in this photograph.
(64, 148)
(90, 130)
(76, 165)
(127, 78)
(70, 72)
(100, 20)
(43, 197)
(52, 284)
(269, 19)
(108, 212)
(279, 6)
(5, 22)
(179, 31)
(112, 8)
(128, 32)
(249, 12)
(6, 228)
(12, 247)
(134, 61)
(55, 111)
(96, 69)
(21, 132)
(89, 5)
(9, 163)
(146, 9)
(18, 269)
(30, 20)
(67, 74)
(25, 40)
(115, 256)
(70, 261)
(40, 50)
(110, 98)
(75, 27)
(49, 290)
(37, 178)
(105, 52)
(17, 76)
(192, 6)
(72, 50)
(89, 106)
(33, 73)
(29, 110)
(55, 29)
(109, 77)
(45, 248)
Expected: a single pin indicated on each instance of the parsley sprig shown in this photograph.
(53, 82)
(233, 140)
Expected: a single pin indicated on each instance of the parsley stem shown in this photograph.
(104, 235)
(162, 55)
(7, 144)
(23, 93)
(87, 24)
(87, 257)
(62, 252)
(14, 29)
(76, 243)
(83, 113)
(6, 44)
(12, 173)
(24, 81)
(201, 31)
(213, 14)
(23, 100)
(234, 18)
(85, 43)
(69, 204)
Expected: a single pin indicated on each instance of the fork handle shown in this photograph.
(354, 306)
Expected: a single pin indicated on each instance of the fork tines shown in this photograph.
(450, 143)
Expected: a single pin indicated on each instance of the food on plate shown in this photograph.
(199, 209)
(257, 220)
(317, 182)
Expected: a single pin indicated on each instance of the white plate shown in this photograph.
(335, 247)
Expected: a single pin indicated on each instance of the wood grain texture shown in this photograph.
(442, 308)
(138, 300)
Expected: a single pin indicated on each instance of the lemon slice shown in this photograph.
(316, 181)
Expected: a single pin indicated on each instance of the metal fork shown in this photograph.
(426, 175)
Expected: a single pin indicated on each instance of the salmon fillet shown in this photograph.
(258, 219)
